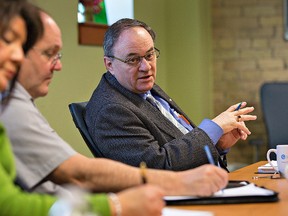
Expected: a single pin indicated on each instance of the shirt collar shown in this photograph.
(144, 95)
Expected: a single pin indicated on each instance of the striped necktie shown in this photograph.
(166, 113)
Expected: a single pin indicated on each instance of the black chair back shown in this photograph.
(77, 111)
(274, 101)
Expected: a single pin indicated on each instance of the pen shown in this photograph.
(210, 158)
(209, 155)
(143, 172)
(238, 107)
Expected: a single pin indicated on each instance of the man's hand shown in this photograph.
(231, 119)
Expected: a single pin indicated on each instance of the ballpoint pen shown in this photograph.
(210, 158)
(238, 107)
(209, 155)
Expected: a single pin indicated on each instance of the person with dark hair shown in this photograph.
(33, 25)
(131, 119)
(141, 200)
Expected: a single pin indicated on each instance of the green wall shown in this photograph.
(183, 36)
(188, 44)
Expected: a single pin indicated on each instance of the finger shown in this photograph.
(242, 127)
(243, 135)
(242, 118)
(244, 111)
(238, 118)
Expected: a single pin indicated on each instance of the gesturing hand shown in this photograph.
(233, 124)
(229, 119)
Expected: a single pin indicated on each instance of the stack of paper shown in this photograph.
(267, 168)
(246, 193)
(248, 189)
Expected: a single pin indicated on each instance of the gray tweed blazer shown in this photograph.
(129, 129)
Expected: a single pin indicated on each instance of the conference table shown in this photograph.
(279, 208)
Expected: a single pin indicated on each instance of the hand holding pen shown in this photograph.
(230, 119)
(209, 156)
(233, 127)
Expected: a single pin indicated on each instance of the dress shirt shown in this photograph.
(37, 147)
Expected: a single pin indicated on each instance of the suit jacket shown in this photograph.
(129, 129)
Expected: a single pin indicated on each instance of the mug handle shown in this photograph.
(268, 158)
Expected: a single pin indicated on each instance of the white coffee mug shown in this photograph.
(286, 172)
(281, 152)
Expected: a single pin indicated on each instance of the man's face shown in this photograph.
(138, 78)
(37, 69)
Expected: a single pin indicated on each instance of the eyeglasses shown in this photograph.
(57, 57)
(50, 56)
(136, 60)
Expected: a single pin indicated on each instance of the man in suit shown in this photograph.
(128, 128)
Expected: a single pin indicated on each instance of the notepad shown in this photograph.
(244, 192)
(179, 212)
(267, 168)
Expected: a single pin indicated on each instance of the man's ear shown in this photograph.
(108, 64)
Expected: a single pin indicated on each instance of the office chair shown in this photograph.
(274, 102)
(77, 111)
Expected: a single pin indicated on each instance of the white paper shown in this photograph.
(267, 168)
(180, 212)
(246, 190)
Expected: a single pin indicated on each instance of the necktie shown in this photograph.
(167, 114)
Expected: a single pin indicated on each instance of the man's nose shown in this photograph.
(57, 66)
(144, 65)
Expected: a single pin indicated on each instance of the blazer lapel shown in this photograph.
(156, 117)
(158, 91)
